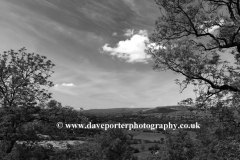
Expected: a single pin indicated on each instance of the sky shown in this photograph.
(97, 47)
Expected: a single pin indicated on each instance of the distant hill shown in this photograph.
(165, 109)
(114, 110)
(177, 107)
(159, 109)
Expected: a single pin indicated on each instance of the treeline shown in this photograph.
(41, 125)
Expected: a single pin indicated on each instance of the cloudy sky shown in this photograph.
(98, 48)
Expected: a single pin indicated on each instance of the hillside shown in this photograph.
(159, 109)
(114, 110)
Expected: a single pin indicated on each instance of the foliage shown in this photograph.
(199, 39)
(218, 141)
(115, 145)
(181, 146)
(135, 150)
(190, 39)
(188, 102)
(23, 152)
(154, 148)
(86, 151)
(213, 141)
(23, 82)
(26, 115)
(52, 113)
(156, 157)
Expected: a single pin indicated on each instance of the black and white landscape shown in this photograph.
(106, 62)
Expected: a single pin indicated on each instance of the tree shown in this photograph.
(115, 145)
(85, 151)
(199, 39)
(23, 85)
(52, 113)
(181, 146)
(189, 39)
(186, 102)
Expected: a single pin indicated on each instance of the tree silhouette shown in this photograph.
(23, 85)
(189, 39)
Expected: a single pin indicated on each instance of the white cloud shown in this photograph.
(128, 32)
(132, 50)
(65, 88)
(143, 33)
(65, 85)
(68, 84)
(114, 34)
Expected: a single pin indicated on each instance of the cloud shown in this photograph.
(143, 33)
(128, 32)
(114, 34)
(132, 50)
(65, 88)
(65, 85)
(68, 84)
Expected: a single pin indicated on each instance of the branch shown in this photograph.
(229, 6)
(198, 77)
(238, 7)
(235, 34)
